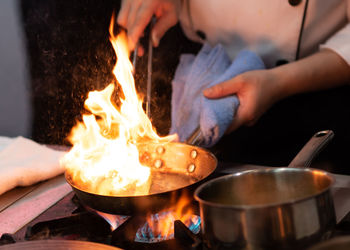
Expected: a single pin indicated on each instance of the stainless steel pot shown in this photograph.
(274, 208)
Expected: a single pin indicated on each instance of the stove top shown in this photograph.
(69, 220)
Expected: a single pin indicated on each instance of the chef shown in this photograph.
(305, 44)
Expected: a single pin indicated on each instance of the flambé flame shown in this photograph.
(104, 158)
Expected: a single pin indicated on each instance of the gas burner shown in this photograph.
(160, 227)
(156, 231)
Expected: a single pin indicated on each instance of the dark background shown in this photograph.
(70, 54)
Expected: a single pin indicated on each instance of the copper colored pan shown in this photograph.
(174, 166)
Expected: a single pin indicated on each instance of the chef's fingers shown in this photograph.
(142, 18)
(223, 89)
(140, 51)
(236, 123)
(165, 22)
(124, 13)
(239, 119)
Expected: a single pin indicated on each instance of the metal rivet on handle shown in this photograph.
(194, 154)
(191, 168)
(160, 150)
(158, 163)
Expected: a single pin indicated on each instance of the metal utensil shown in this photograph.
(196, 138)
(273, 208)
(134, 58)
(149, 69)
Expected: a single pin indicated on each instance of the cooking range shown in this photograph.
(128, 232)
(70, 220)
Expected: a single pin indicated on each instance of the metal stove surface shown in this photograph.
(67, 220)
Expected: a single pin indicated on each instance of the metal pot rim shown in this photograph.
(263, 206)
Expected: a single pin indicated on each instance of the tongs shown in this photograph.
(196, 137)
(149, 67)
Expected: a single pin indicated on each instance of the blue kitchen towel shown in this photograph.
(190, 108)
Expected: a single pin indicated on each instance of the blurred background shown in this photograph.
(54, 52)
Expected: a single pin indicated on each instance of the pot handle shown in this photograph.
(311, 149)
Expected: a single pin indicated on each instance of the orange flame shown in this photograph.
(104, 158)
(162, 223)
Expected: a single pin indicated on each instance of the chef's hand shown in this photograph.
(134, 15)
(256, 91)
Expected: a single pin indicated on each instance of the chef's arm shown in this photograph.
(258, 90)
(322, 70)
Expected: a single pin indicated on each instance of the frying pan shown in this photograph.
(174, 166)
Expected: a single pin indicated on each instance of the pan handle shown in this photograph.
(311, 149)
(195, 138)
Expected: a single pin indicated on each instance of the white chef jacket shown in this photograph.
(276, 30)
